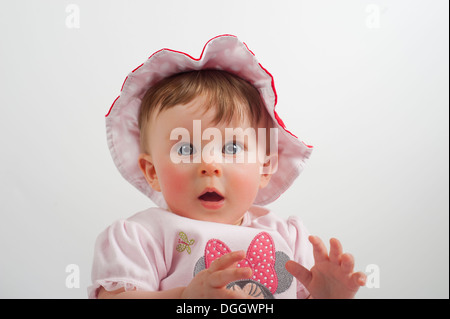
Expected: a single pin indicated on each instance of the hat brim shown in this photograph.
(225, 53)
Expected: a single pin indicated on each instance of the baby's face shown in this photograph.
(203, 171)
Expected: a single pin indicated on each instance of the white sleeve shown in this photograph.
(303, 250)
(126, 256)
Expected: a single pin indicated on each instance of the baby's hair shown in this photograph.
(230, 95)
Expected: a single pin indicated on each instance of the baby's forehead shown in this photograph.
(202, 124)
(210, 115)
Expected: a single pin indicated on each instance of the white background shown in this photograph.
(365, 82)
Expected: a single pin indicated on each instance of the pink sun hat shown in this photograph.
(225, 53)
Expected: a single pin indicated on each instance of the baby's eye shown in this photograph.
(232, 148)
(186, 149)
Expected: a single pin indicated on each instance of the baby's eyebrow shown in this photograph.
(180, 138)
(177, 133)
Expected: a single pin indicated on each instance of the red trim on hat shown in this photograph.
(308, 146)
(137, 67)
(123, 83)
(273, 83)
(112, 106)
(280, 121)
(203, 50)
(248, 48)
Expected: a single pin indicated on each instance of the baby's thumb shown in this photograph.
(298, 271)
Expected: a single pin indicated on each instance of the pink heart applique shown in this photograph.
(260, 258)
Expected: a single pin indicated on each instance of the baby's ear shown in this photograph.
(148, 169)
(268, 168)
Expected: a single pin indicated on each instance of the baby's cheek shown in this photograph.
(174, 180)
(245, 180)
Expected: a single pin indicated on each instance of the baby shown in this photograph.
(202, 139)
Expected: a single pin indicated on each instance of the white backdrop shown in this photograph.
(365, 82)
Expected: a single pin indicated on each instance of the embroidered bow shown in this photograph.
(260, 258)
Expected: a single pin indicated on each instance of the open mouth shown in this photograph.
(211, 197)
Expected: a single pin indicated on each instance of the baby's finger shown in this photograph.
(335, 251)
(359, 279)
(319, 249)
(226, 260)
(222, 278)
(298, 271)
(347, 263)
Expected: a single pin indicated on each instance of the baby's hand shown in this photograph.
(332, 275)
(211, 283)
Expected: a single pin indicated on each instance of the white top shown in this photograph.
(158, 250)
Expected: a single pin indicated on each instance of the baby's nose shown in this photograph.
(210, 169)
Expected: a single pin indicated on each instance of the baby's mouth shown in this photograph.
(211, 197)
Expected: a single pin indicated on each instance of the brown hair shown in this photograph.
(230, 95)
